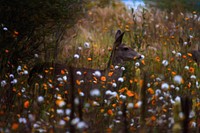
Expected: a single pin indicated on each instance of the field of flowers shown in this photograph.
(158, 93)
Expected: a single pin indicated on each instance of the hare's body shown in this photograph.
(86, 79)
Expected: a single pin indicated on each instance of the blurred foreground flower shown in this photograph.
(178, 79)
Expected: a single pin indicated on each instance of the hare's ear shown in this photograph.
(118, 40)
(118, 33)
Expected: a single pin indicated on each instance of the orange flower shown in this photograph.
(122, 89)
(164, 110)
(102, 110)
(130, 93)
(191, 70)
(62, 72)
(110, 112)
(110, 74)
(153, 102)
(26, 104)
(131, 81)
(151, 91)
(184, 56)
(143, 62)
(78, 82)
(114, 105)
(51, 68)
(89, 59)
(173, 73)
(15, 126)
(153, 118)
(16, 33)
(172, 37)
(46, 71)
(157, 59)
(103, 78)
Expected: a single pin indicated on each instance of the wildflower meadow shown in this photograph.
(46, 88)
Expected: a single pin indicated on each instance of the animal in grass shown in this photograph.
(189, 47)
(90, 82)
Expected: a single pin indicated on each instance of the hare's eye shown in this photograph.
(125, 48)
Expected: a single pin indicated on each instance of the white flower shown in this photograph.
(178, 54)
(177, 88)
(25, 72)
(172, 101)
(172, 86)
(193, 124)
(95, 103)
(78, 73)
(79, 48)
(81, 125)
(75, 121)
(14, 81)
(40, 99)
(68, 111)
(62, 122)
(87, 45)
(187, 67)
(158, 91)
(95, 92)
(193, 77)
(178, 99)
(192, 114)
(185, 43)
(142, 56)
(61, 103)
(119, 112)
(19, 68)
(65, 78)
(11, 76)
(3, 83)
(22, 120)
(130, 105)
(97, 73)
(178, 79)
(137, 64)
(123, 68)
(164, 86)
(121, 79)
(139, 104)
(173, 52)
(81, 94)
(5, 28)
(31, 117)
(112, 94)
(161, 98)
(191, 36)
(116, 67)
(60, 79)
(60, 111)
(76, 101)
(76, 56)
(165, 62)
(181, 115)
(36, 55)
(123, 97)
(114, 85)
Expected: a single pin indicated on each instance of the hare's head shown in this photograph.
(121, 52)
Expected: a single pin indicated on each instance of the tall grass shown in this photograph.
(146, 100)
